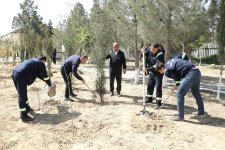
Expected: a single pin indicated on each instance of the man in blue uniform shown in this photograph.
(70, 65)
(117, 64)
(186, 76)
(155, 78)
(25, 74)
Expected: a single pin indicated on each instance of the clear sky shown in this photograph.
(48, 9)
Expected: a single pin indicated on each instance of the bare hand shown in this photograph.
(52, 88)
(175, 87)
(144, 70)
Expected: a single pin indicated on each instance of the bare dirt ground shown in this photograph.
(112, 125)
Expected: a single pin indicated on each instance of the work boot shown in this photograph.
(177, 118)
(68, 99)
(73, 95)
(26, 118)
(31, 112)
(158, 104)
(149, 100)
(112, 94)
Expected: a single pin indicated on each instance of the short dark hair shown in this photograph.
(84, 56)
(155, 45)
(159, 65)
(42, 57)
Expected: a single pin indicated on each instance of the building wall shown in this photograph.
(14, 37)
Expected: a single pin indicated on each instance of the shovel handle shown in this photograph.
(88, 86)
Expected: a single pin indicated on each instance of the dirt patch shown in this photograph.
(51, 103)
(151, 123)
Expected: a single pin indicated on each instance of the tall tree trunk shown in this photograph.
(221, 41)
(168, 47)
(80, 51)
(221, 73)
(168, 39)
(220, 80)
(49, 67)
(137, 67)
(14, 58)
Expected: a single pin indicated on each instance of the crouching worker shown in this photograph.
(70, 65)
(186, 76)
(23, 75)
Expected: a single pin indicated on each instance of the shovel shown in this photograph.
(92, 92)
(144, 112)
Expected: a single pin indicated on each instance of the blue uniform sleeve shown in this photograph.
(74, 70)
(172, 75)
(43, 74)
(170, 71)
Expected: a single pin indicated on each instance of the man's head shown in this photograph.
(160, 67)
(154, 48)
(116, 47)
(42, 58)
(83, 59)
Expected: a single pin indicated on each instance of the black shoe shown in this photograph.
(112, 94)
(197, 114)
(73, 95)
(158, 104)
(26, 118)
(149, 100)
(31, 112)
(69, 99)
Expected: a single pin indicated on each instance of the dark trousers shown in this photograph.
(191, 81)
(54, 60)
(67, 80)
(155, 79)
(115, 73)
(21, 87)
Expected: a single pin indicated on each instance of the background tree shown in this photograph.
(192, 26)
(101, 27)
(171, 24)
(221, 40)
(75, 26)
(125, 28)
(48, 43)
(213, 15)
(29, 24)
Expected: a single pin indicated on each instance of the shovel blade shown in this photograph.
(144, 113)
